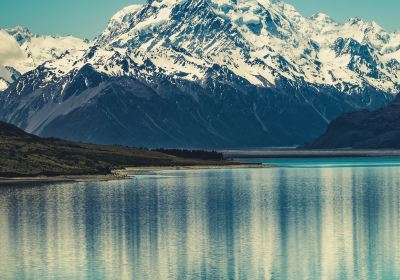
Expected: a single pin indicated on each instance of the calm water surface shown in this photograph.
(308, 219)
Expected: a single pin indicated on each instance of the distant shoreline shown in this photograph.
(141, 170)
(298, 153)
(123, 173)
(60, 179)
(119, 174)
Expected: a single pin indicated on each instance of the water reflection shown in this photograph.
(287, 223)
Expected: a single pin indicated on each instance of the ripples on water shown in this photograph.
(280, 223)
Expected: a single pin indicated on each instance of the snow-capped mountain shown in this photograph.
(8, 75)
(200, 72)
(32, 50)
(258, 40)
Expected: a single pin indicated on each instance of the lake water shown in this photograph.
(307, 219)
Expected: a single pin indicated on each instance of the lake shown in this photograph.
(306, 219)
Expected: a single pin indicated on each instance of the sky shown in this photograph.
(88, 18)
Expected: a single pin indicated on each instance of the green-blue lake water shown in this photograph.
(307, 219)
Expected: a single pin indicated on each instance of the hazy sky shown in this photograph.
(87, 18)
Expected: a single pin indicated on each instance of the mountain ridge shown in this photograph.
(255, 65)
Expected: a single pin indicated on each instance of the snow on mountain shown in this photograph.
(10, 54)
(9, 49)
(21, 34)
(24, 51)
(8, 75)
(261, 41)
(3, 84)
(218, 65)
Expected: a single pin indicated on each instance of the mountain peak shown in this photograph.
(376, 26)
(119, 16)
(20, 29)
(156, 3)
(321, 17)
(21, 34)
(357, 21)
(273, 33)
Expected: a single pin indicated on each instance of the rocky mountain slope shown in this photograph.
(365, 129)
(207, 73)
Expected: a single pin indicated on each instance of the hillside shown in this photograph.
(379, 129)
(23, 154)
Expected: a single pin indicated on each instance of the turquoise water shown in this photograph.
(330, 162)
(308, 219)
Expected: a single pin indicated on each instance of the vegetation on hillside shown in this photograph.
(23, 154)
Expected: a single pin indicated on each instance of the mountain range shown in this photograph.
(199, 73)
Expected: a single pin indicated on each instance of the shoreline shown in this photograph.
(129, 172)
(142, 170)
(299, 153)
(119, 174)
(61, 179)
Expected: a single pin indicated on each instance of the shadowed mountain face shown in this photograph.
(203, 73)
(176, 113)
(363, 130)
